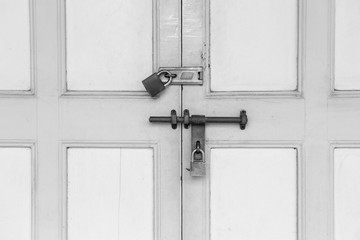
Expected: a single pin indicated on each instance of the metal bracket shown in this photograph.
(197, 163)
(185, 75)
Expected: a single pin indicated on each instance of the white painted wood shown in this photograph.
(253, 193)
(309, 119)
(54, 121)
(110, 193)
(347, 37)
(109, 44)
(16, 186)
(316, 142)
(246, 36)
(346, 193)
(276, 119)
(312, 118)
(124, 122)
(15, 45)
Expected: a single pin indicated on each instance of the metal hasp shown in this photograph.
(154, 84)
(185, 75)
(197, 122)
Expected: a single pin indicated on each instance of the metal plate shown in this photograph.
(186, 75)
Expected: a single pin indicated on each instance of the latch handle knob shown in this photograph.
(173, 119)
(243, 119)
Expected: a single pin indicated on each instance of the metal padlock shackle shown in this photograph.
(195, 151)
(169, 77)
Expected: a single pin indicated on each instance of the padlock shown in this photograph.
(197, 167)
(153, 83)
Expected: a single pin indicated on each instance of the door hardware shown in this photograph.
(197, 163)
(197, 122)
(175, 76)
(198, 119)
(154, 85)
(186, 75)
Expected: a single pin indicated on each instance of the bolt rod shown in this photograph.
(207, 119)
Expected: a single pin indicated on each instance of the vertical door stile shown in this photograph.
(48, 222)
(193, 29)
(316, 145)
(169, 55)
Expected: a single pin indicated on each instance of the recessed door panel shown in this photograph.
(347, 50)
(16, 193)
(253, 194)
(15, 59)
(347, 193)
(254, 45)
(110, 193)
(109, 44)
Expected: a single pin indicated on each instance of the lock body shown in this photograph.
(197, 169)
(153, 84)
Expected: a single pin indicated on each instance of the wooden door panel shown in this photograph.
(16, 47)
(346, 191)
(109, 44)
(346, 38)
(17, 175)
(276, 118)
(103, 188)
(261, 193)
(248, 36)
(54, 119)
(117, 117)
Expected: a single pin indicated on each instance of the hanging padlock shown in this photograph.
(198, 166)
(154, 85)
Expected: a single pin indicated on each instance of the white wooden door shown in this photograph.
(78, 157)
(294, 172)
(79, 160)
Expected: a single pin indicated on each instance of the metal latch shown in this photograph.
(197, 122)
(157, 82)
(185, 75)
